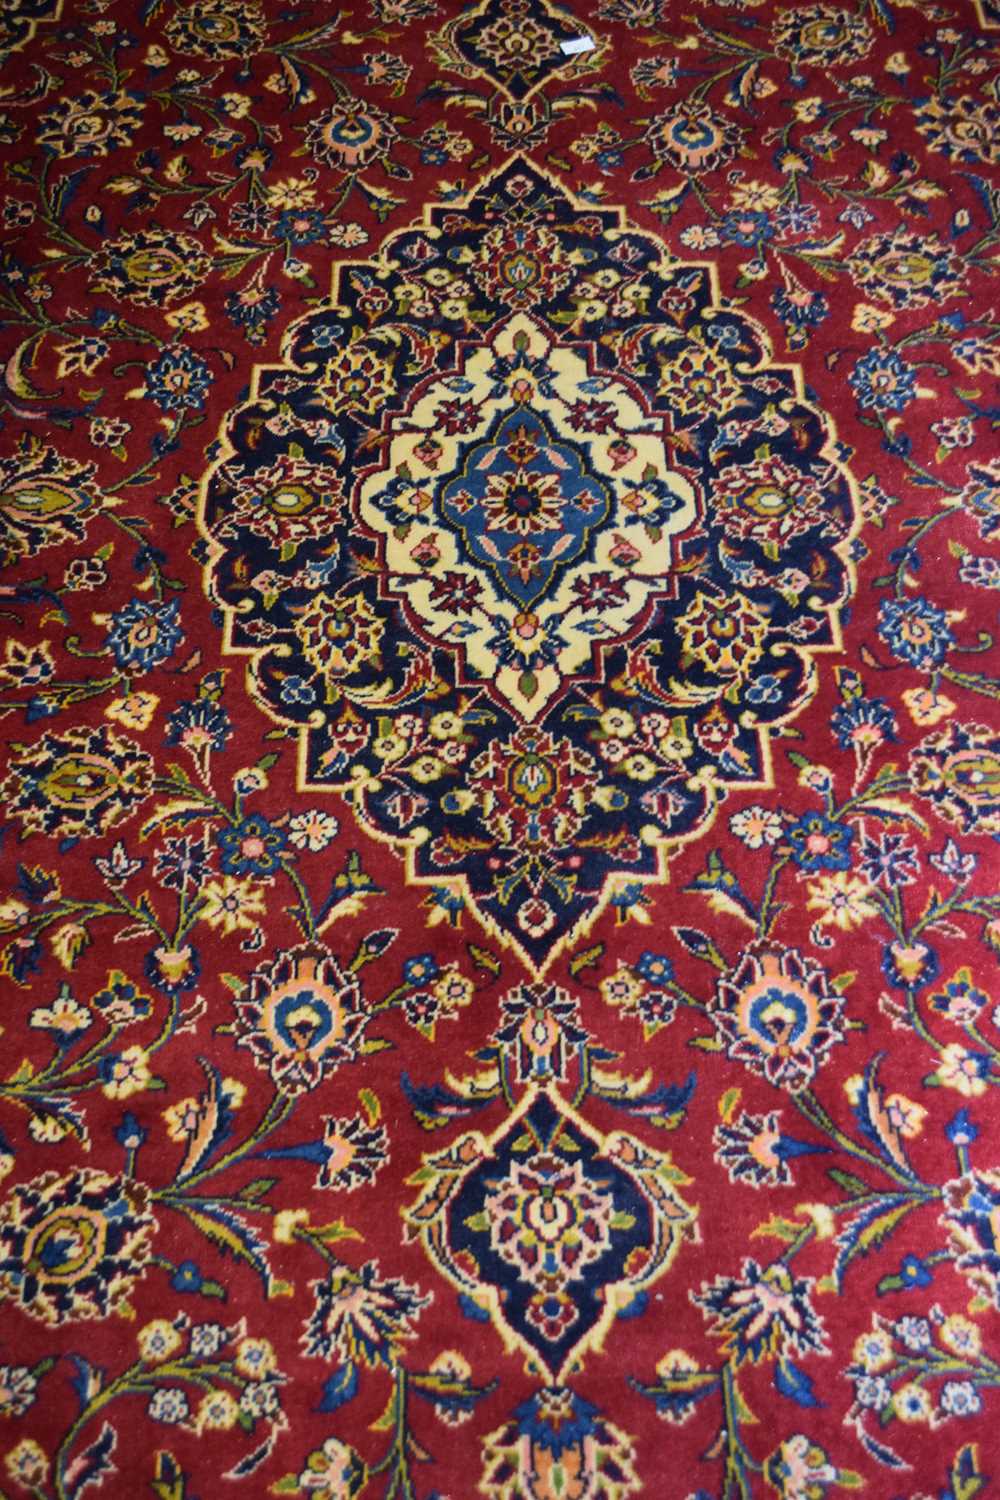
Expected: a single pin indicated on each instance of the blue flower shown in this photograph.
(915, 630)
(913, 1272)
(819, 843)
(199, 723)
(655, 967)
(863, 723)
(800, 310)
(252, 847)
(961, 1130)
(129, 1133)
(300, 225)
(187, 1277)
(421, 969)
(766, 1312)
(252, 309)
(747, 227)
(909, 966)
(881, 380)
(143, 635)
(178, 379)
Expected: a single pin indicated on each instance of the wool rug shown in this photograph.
(500, 771)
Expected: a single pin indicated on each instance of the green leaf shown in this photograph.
(484, 959)
(586, 959)
(844, 981)
(337, 1230)
(846, 1180)
(779, 1228)
(254, 1191)
(370, 1104)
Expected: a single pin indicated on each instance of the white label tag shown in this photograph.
(577, 44)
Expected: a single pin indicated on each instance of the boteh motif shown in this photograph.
(532, 543)
(550, 1230)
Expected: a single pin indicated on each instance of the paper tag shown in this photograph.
(577, 44)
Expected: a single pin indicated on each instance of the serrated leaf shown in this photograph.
(895, 810)
(177, 810)
(778, 1228)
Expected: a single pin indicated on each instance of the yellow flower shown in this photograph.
(218, 1412)
(286, 1223)
(622, 988)
(236, 105)
(255, 1358)
(13, 914)
(868, 319)
(158, 1341)
(135, 712)
(961, 1336)
(127, 1074)
(844, 900)
(808, 110)
(27, 1464)
(927, 707)
(907, 1116)
(873, 1351)
(232, 903)
(291, 192)
(759, 196)
(961, 1070)
(191, 318)
(181, 1119)
(911, 1403)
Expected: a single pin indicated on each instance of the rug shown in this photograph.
(501, 769)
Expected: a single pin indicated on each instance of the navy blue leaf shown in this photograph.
(94, 1462)
(339, 1389)
(795, 1384)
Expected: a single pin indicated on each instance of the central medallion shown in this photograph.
(519, 483)
(531, 541)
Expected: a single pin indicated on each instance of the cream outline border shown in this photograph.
(33, 27)
(664, 847)
(685, 1228)
(572, 67)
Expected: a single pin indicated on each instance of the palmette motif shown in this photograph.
(500, 783)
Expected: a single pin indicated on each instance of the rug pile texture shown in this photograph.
(500, 756)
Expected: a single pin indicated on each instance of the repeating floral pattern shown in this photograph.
(500, 776)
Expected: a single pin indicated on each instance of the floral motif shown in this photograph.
(78, 783)
(301, 1017)
(777, 1014)
(73, 1247)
